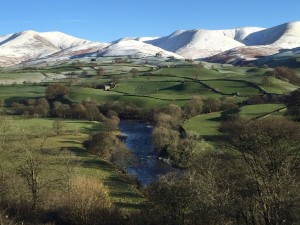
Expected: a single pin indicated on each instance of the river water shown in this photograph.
(148, 167)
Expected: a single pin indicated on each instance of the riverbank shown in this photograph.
(147, 166)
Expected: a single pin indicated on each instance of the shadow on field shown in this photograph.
(116, 181)
(86, 130)
(126, 195)
(71, 142)
(11, 100)
(95, 163)
(213, 138)
(120, 186)
(128, 205)
(216, 119)
(77, 150)
(126, 198)
(93, 129)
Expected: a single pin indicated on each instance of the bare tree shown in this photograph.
(58, 126)
(194, 106)
(32, 168)
(268, 154)
(100, 71)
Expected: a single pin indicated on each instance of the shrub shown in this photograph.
(55, 91)
(87, 202)
(102, 144)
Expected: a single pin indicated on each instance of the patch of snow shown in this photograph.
(134, 48)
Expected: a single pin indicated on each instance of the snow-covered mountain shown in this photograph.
(202, 43)
(286, 35)
(135, 48)
(207, 43)
(29, 45)
(261, 44)
(232, 45)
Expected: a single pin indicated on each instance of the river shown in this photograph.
(148, 167)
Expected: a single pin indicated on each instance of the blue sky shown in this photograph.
(108, 20)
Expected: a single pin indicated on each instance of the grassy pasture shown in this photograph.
(190, 72)
(143, 101)
(14, 93)
(185, 90)
(256, 111)
(62, 69)
(160, 87)
(206, 125)
(277, 86)
(178, 84)
(232, 87)
(79, 94)
(143, 88)
(20, 77)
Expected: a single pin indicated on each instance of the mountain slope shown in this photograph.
(130, 47)
(286, 35)
(202, 43)
(28, 45)
(289, 58)
(261, 44)
(242, 55)
(206, 43)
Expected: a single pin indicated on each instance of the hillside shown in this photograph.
(28, 45)
(239, 41)
(202, 43)
(134, 48)
(290, 58)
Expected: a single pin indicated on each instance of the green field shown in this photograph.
(190, 72)
(151, 87)
(206, 125)
(256, 111)
(143, 88)
(277, 86)
(20, 77)
(18, 92)
(79, 94)
(232, 87)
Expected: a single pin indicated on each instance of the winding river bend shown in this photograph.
(148, 167)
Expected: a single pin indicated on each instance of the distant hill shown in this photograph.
(289, 58)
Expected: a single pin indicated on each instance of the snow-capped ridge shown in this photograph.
(267, 36)
(133, 47)
(201, 43)
(246, 43)
(196, 43)
(141, 39)
(31, 45)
